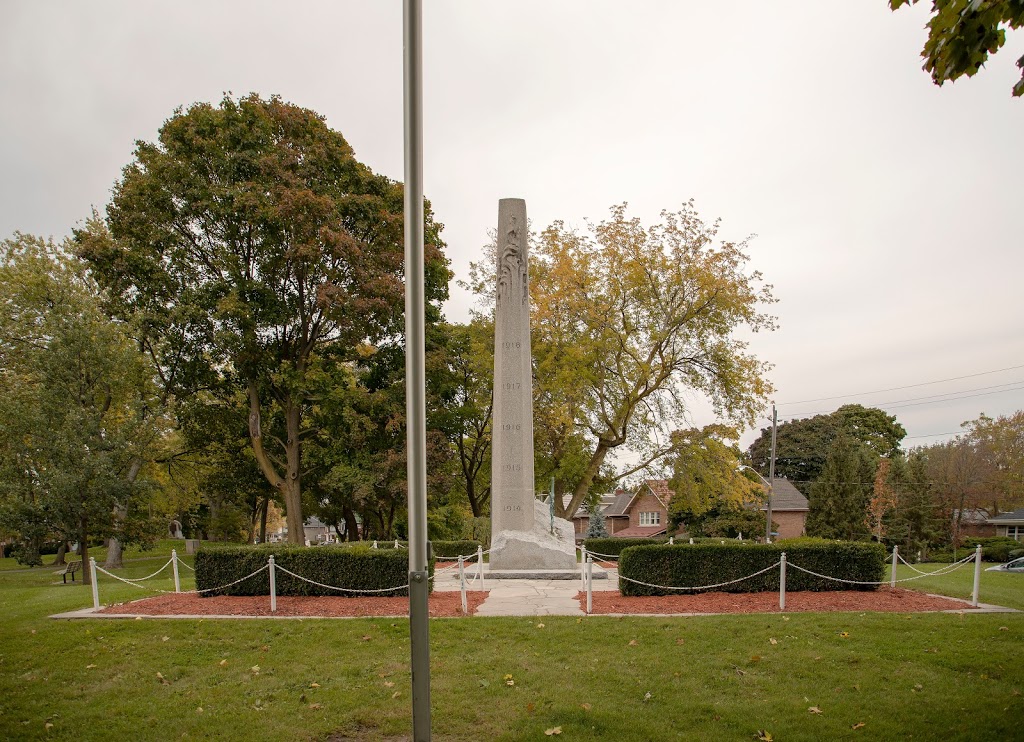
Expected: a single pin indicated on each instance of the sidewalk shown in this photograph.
(526, 597)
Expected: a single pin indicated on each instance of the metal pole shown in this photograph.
(977, 575)
(95, 587)
(895, 559)
(273, 585)
(782, 582)
(415, 375)
(771, 477)
(174, 563)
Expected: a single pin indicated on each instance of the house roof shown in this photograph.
(1014, 518)
(971, 515)
(639, 532)
(786, 497)
(618, 507)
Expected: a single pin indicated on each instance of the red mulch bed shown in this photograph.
(441, 604)
(885, 599)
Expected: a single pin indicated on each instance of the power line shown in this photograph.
(931, 399)
(908, 386)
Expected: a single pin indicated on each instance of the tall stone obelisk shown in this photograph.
(521, 532)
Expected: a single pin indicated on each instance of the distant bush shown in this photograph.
(993, 549)
(612, 546)
(711, 564)
(357, 567)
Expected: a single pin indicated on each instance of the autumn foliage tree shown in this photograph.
(251, 236)
(627, 320)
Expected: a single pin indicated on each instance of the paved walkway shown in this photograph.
(526, 597)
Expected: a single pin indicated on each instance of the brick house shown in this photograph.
(581, 520)
(640, 514)
(1010, 525)
(789, 509)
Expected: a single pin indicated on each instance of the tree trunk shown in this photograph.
(290, 486)
(351, 526)
(115, 555)
(62, 550)
(83, 550)
(263, 519)
(583, 486)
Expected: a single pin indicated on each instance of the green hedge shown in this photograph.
(993, 549)
(612, 546)
(454, 549)
(693, 565)
(358, 567)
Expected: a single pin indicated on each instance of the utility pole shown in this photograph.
(771, 477)
(415, 374)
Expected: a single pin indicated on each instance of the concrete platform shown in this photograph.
(598, 573)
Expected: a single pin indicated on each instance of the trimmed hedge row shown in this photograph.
(441, 549)
(691, 565)
(356, 567)
(613, 546)
(993, 549)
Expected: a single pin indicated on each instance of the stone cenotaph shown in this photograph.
(523, 537)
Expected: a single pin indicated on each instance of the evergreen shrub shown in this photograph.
(708, 563)
(454, 549)
(358, 567)
(612, 546)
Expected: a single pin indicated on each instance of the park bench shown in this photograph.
(69, 569)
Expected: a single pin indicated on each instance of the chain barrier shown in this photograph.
(183, 564)
(279, 568)
(133, 582)
(942, 570)
(140, 579)
(702, 587)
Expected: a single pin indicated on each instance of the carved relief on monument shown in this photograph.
(511, 262)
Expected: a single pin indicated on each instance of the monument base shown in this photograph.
(598, 573)
(537, 549)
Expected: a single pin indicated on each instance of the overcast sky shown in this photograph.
(888, 211)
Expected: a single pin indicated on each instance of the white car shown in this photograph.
(1016, 565)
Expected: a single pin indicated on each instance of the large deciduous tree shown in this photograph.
(249, 243)
(627, 320)
(963, 33)
(74, 414)
(802, 445)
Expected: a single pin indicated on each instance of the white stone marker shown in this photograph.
(521, 537)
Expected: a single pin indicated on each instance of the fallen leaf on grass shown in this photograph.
(755, 658)
(47, 726)
(165, 638)
(773, 641)
(540, 626)
(647, 696)
(89, 667)
(632, 642)
(315, 706)
(1001, 628)
(764, 735)
(314, 685)
(264, 648)
(199, 710)
(679, 641)
(814, 710)
(396, 694)
(388, 684)
(531, 707)
(918, 687)
(552, 731)
(858, 725)
(223, 663)
(255, 669)
(162, 679)
(585, 706)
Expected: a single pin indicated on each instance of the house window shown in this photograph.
(650, 519)
(1015, 532)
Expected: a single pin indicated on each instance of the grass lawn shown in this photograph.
(920, 676)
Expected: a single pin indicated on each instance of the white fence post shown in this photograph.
(583, 571)
(895, 561)
(95, 587)
(480, 564)
(273, 586)
(671, 540)
(977, 575)
(374, 545)
(590, 584)
(462, 585)
(782, 582)
(174, 564)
